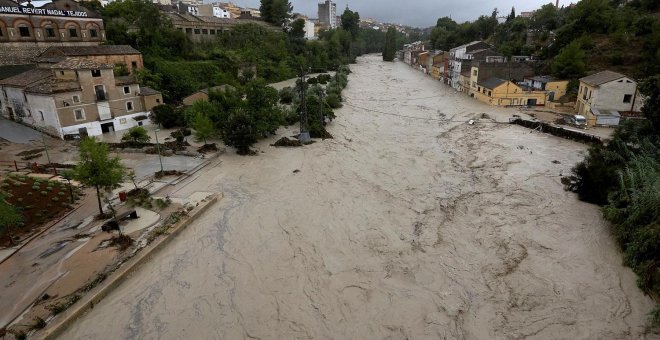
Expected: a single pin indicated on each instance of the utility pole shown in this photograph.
(304, 134)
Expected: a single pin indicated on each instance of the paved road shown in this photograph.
(17, 133)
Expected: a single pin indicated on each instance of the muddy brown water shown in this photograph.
(399, 228)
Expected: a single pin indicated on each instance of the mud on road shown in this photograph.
(399, 228)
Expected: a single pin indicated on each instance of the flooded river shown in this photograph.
(409, 224)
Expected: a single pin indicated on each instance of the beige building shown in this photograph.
(77, 96)
(205, 28)
(604, 95)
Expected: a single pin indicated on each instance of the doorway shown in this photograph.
(107, 127)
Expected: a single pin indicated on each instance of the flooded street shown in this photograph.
(398, 228)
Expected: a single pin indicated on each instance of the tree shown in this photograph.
(203, 127)
(96, 168)
(511, 15)
(10, 218)
(650, 88)
(297, 30)
(137, 135)
(570, 62)
(241, 131)
(350, 22)
(166, 116)
(390, 44)
(276, 12)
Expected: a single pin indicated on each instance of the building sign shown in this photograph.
(42, 11)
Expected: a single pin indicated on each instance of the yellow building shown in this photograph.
(555, 88)
(495, 91)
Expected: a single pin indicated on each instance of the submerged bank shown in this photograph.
(410, 223)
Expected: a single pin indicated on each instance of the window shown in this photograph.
(100, 92)
(50, 32)
(212, 31)
(627, 98)
(474, 73)
(205, 31)
(134, 64)
(196, 30)
(76, 98)
(93, 33)
(129, 106)
(61, 73)
(489, 93)
(127, 90)
(73, 32)
(96, 73)
(157, 100)
(24, 31)
(1, 32)
(79, 114)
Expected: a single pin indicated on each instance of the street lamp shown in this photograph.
(162, 172)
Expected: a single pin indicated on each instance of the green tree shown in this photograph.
(350, 22)
(136, 134)
(650, 88)
(166, 116)
(203, 127)
(97, 168)
(10, 218)
(570, 62)
(276, 12)
(511, 15)
(241, 131)
(390, 44)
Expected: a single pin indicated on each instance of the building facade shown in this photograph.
(459, 57)
(604, 95)
(77, 96)
(500, 92)
(27, 31)
(328, 14)
(555, 88)
(484, 70)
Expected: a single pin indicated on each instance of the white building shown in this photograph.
(460, 55)
(604, 95)
(310, 33)
(213, 10)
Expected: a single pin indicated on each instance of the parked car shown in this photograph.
(576, 120)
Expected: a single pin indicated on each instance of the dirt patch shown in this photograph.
(208, 148)
(287, 142)
(160, 174)
(122, 242)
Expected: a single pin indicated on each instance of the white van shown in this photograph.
(576, 120)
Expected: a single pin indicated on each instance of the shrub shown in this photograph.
(61, 193)
(167, 116)
(44, 193)
(29, 193)
(136, 134)
(287, 95)
(333, 101)
(55, 199)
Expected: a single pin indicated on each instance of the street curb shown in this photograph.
(62, 321)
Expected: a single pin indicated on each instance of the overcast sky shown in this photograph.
(419, 13)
